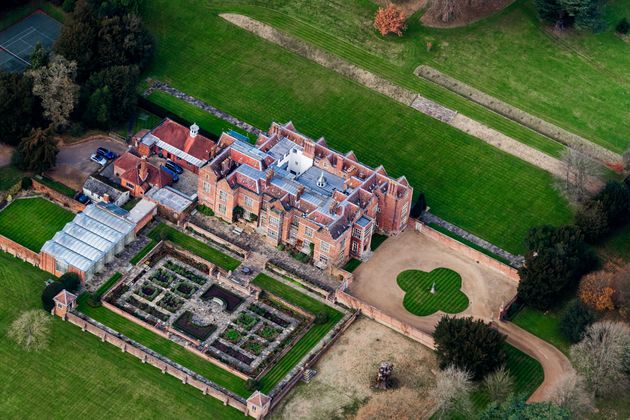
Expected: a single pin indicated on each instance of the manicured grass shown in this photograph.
(471, 184)
(107, 285)
(352, 265)
(420, 301)
(57, 186)
(526, 372)
(165, 347)
(144, 251)
(545, 325)
(309, 340)
(163, 231)
(9, 176)
(78, 375)
(487, 55)
(33, 221)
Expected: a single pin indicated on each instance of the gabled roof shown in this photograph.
(178, 137)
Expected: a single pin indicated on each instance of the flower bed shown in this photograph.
(232, 335)
(170, 302)
(232, 300)
(246, 321)
(268, 332)
(148, 291)
(254, 346)
(232, 352)
(146, 308)
(268, 315)
(186, 325)
(163, 277)
(185, 289)
(185, 273)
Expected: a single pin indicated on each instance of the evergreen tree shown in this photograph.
(470, 345)
(19, 108)
(575, 320)
(37, 152)
(592, 220)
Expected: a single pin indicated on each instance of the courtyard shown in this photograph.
(376, 282)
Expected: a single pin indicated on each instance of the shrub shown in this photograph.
(623, 26)
(390, 20)
(207, 211)
(499, 384)
(70, 281)
(469, 344)
(615, 198)
(596, 290)
(592, 220)
(252, 385)
(49, 293)
(27, 183)
(321, 318)
(575, 320)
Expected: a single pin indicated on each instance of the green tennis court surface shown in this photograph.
(18, 41)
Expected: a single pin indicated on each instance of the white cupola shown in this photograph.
(321, 181)
(194, 130)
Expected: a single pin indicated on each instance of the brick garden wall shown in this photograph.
(19, 251)
(166, 365)
(57, 197)
(385, 319)
(461, 248)
(214, 238)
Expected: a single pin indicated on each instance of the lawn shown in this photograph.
(309, 340)
(163, 231)
(419, 299)
(165, 347)
(467, 182)
(33, 221)
(352, 265)
(144, 251)
(510, 55)
(78, 376)
(545, 325)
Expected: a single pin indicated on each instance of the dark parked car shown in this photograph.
(172, 173)
(82, 198)
(106, 153)
(174, 166)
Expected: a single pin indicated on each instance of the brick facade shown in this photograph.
(303, 194)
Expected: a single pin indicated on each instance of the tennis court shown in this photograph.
(18, 41)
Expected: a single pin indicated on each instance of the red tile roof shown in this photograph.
(130, 171)
(179, 136)
(64, 297)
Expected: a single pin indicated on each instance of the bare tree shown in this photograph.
(499, 384)
(54, 84)
(603, 357)
(31, 330)
(571, 393)
(452, 392)
(578, 173)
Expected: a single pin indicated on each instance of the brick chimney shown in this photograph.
(143, 170)
(268, 176)
(299, 193)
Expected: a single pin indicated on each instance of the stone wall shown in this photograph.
(58, 197)
(214, 238)
(324, 290)
(146, 355)
(19, 251)
(385, 319)
(463, 249)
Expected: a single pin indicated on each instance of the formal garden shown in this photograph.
(428, 293)
(177, 295)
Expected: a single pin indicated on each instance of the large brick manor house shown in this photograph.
(304, 194)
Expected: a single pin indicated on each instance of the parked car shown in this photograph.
(98, 159)
(106, 153)
(172, 173)
(82, 198)
(174, 166)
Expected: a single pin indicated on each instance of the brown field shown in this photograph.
(342, 388)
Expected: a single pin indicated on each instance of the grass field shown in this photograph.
(309, 340)
(78, 376)
(545, 325)
(420, 301)
(467, 182)
(163, 231)
(510, 56)
(33, 221)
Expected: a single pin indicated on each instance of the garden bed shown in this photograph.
(186, 325)
(232, 300)
(241, 357)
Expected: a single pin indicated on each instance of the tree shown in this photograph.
(70, 281)
(499, 384)
(592, 220)
(49, 292)
(39, 57)
(556, 258)
(390, 20)
(77, 40)
(575, 320)
(603, 357)
(111, 95)
(572, 395)
(98, 108)
(623, 27)
(517, 408)
(37, 152)
(122, 41)
(31, 330)
(19, 108)
(54, 84)
(583, 14)
(596, 290)
(615, 198)
(579, 169)
(452, 392)
(470, 345)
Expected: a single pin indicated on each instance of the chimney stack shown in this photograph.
(143, 171)
(269, 176)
